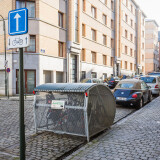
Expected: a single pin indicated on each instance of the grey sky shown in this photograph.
(151, 8)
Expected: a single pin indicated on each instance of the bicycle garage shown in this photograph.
(80, 109)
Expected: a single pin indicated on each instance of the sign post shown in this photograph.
(17, 27)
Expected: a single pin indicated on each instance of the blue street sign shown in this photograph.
(18, 21)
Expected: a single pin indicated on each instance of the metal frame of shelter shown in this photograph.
(89, 108)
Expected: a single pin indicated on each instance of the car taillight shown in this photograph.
(112, 81)
(134, 96)
(156, 86)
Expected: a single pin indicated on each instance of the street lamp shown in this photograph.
(4, 29)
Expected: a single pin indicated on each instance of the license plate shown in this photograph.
(121, 98)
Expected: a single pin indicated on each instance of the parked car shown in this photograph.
(132, 92)
(154, 74)
(153, 82)
(112, 82)
(137, 77)
(94, 80)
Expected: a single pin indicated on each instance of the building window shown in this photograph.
(131, 8)
(83, 30)
(135, 67)
(93, 75)
(131, 23)
(131, 52)
(112, 61)
(126, 33)
(131, 37)
(104, 1)
(104, 40)
(135, 54)
(104, 60)
(104, 19)
(121, 64)
(143, 21)
(60, 19)
(104, 76)
(126, 18)
(143, 58)
(112, 43)
(135, 25)
(30, 5)
(126, 50)
(93, 34)
(135, 40)
(93, 10)
(84, 5)
(112, 24)
(76, 20)
(60, 49)
(143, 34)
(125, 64)
(142, 45)
(142, 69)
(112, 5)
(83, 75)
(131, 66)
(93, 57)
(127, 3)
(32, 46)
(83, 55)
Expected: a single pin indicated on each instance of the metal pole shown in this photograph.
(8, 85)
(21, 105)
(4, 29)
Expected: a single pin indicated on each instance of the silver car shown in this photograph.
(94, 80)
(153, 82)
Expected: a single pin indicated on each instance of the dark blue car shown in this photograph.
(132, 92)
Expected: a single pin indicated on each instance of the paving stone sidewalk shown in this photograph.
(137, 137)
(43, 146)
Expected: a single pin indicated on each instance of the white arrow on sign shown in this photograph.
(17, 16)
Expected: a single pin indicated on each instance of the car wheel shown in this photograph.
(140, 104)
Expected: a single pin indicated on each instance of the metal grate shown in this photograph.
(101, 109)
(69, 120)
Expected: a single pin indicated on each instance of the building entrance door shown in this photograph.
(73, 64)
(118, 70)
(29, 81)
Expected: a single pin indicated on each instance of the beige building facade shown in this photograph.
(152, 47)
(75, 39)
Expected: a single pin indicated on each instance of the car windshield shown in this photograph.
(156, 74)
(149, 79)
(125, 85)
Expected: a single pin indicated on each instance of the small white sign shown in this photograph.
(19, 41)
(57, 104)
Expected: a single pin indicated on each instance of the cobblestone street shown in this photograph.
(136, 137)
(44, 145)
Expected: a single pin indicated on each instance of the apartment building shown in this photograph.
(75, 39)
(132, 49)
(152, 46)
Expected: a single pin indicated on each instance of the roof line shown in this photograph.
(152, 20)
